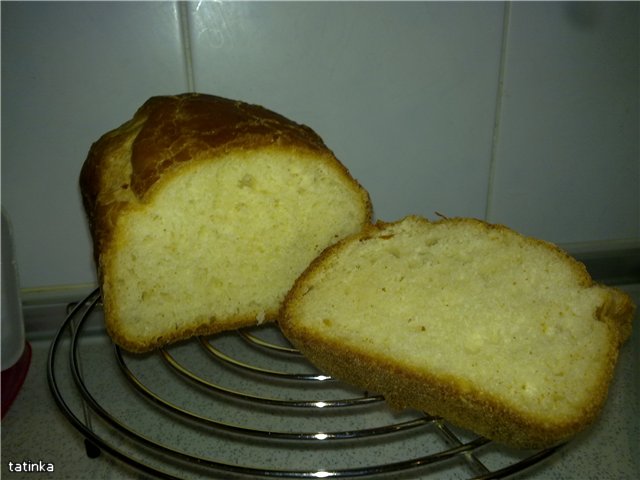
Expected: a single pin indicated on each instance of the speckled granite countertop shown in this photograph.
(34, 430)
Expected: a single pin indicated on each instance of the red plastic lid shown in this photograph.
(13, 378)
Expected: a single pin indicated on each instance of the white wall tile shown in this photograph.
(404, 93)
(568, 162)
(70, 72)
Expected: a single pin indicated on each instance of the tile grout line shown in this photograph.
(185, 36)
(498, 111)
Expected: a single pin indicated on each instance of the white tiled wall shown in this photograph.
(524, 114)
(567, 159)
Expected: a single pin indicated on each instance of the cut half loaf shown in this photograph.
(498, 333)
(204, 211)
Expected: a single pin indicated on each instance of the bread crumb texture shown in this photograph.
(500, 333)
(240, 201)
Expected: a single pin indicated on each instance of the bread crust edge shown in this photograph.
(105, 203)
(446, 396)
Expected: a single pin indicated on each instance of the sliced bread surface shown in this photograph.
(498, 333)
(204, 211)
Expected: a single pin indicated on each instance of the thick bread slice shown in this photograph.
(502, 334)
(204, 211)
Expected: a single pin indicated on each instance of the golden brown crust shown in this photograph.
(618, 312)
(181, 128)
(198, 329)
(170, 130)
(127, 165)
(167, 131)
(450, 397)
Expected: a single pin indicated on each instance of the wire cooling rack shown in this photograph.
(245, 404)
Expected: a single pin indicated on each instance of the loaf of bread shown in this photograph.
(203, 212)
(498, 333)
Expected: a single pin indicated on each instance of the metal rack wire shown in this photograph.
(247, 405)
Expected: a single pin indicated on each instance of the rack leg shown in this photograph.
(92, 450)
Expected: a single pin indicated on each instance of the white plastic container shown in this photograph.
(13, 331)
